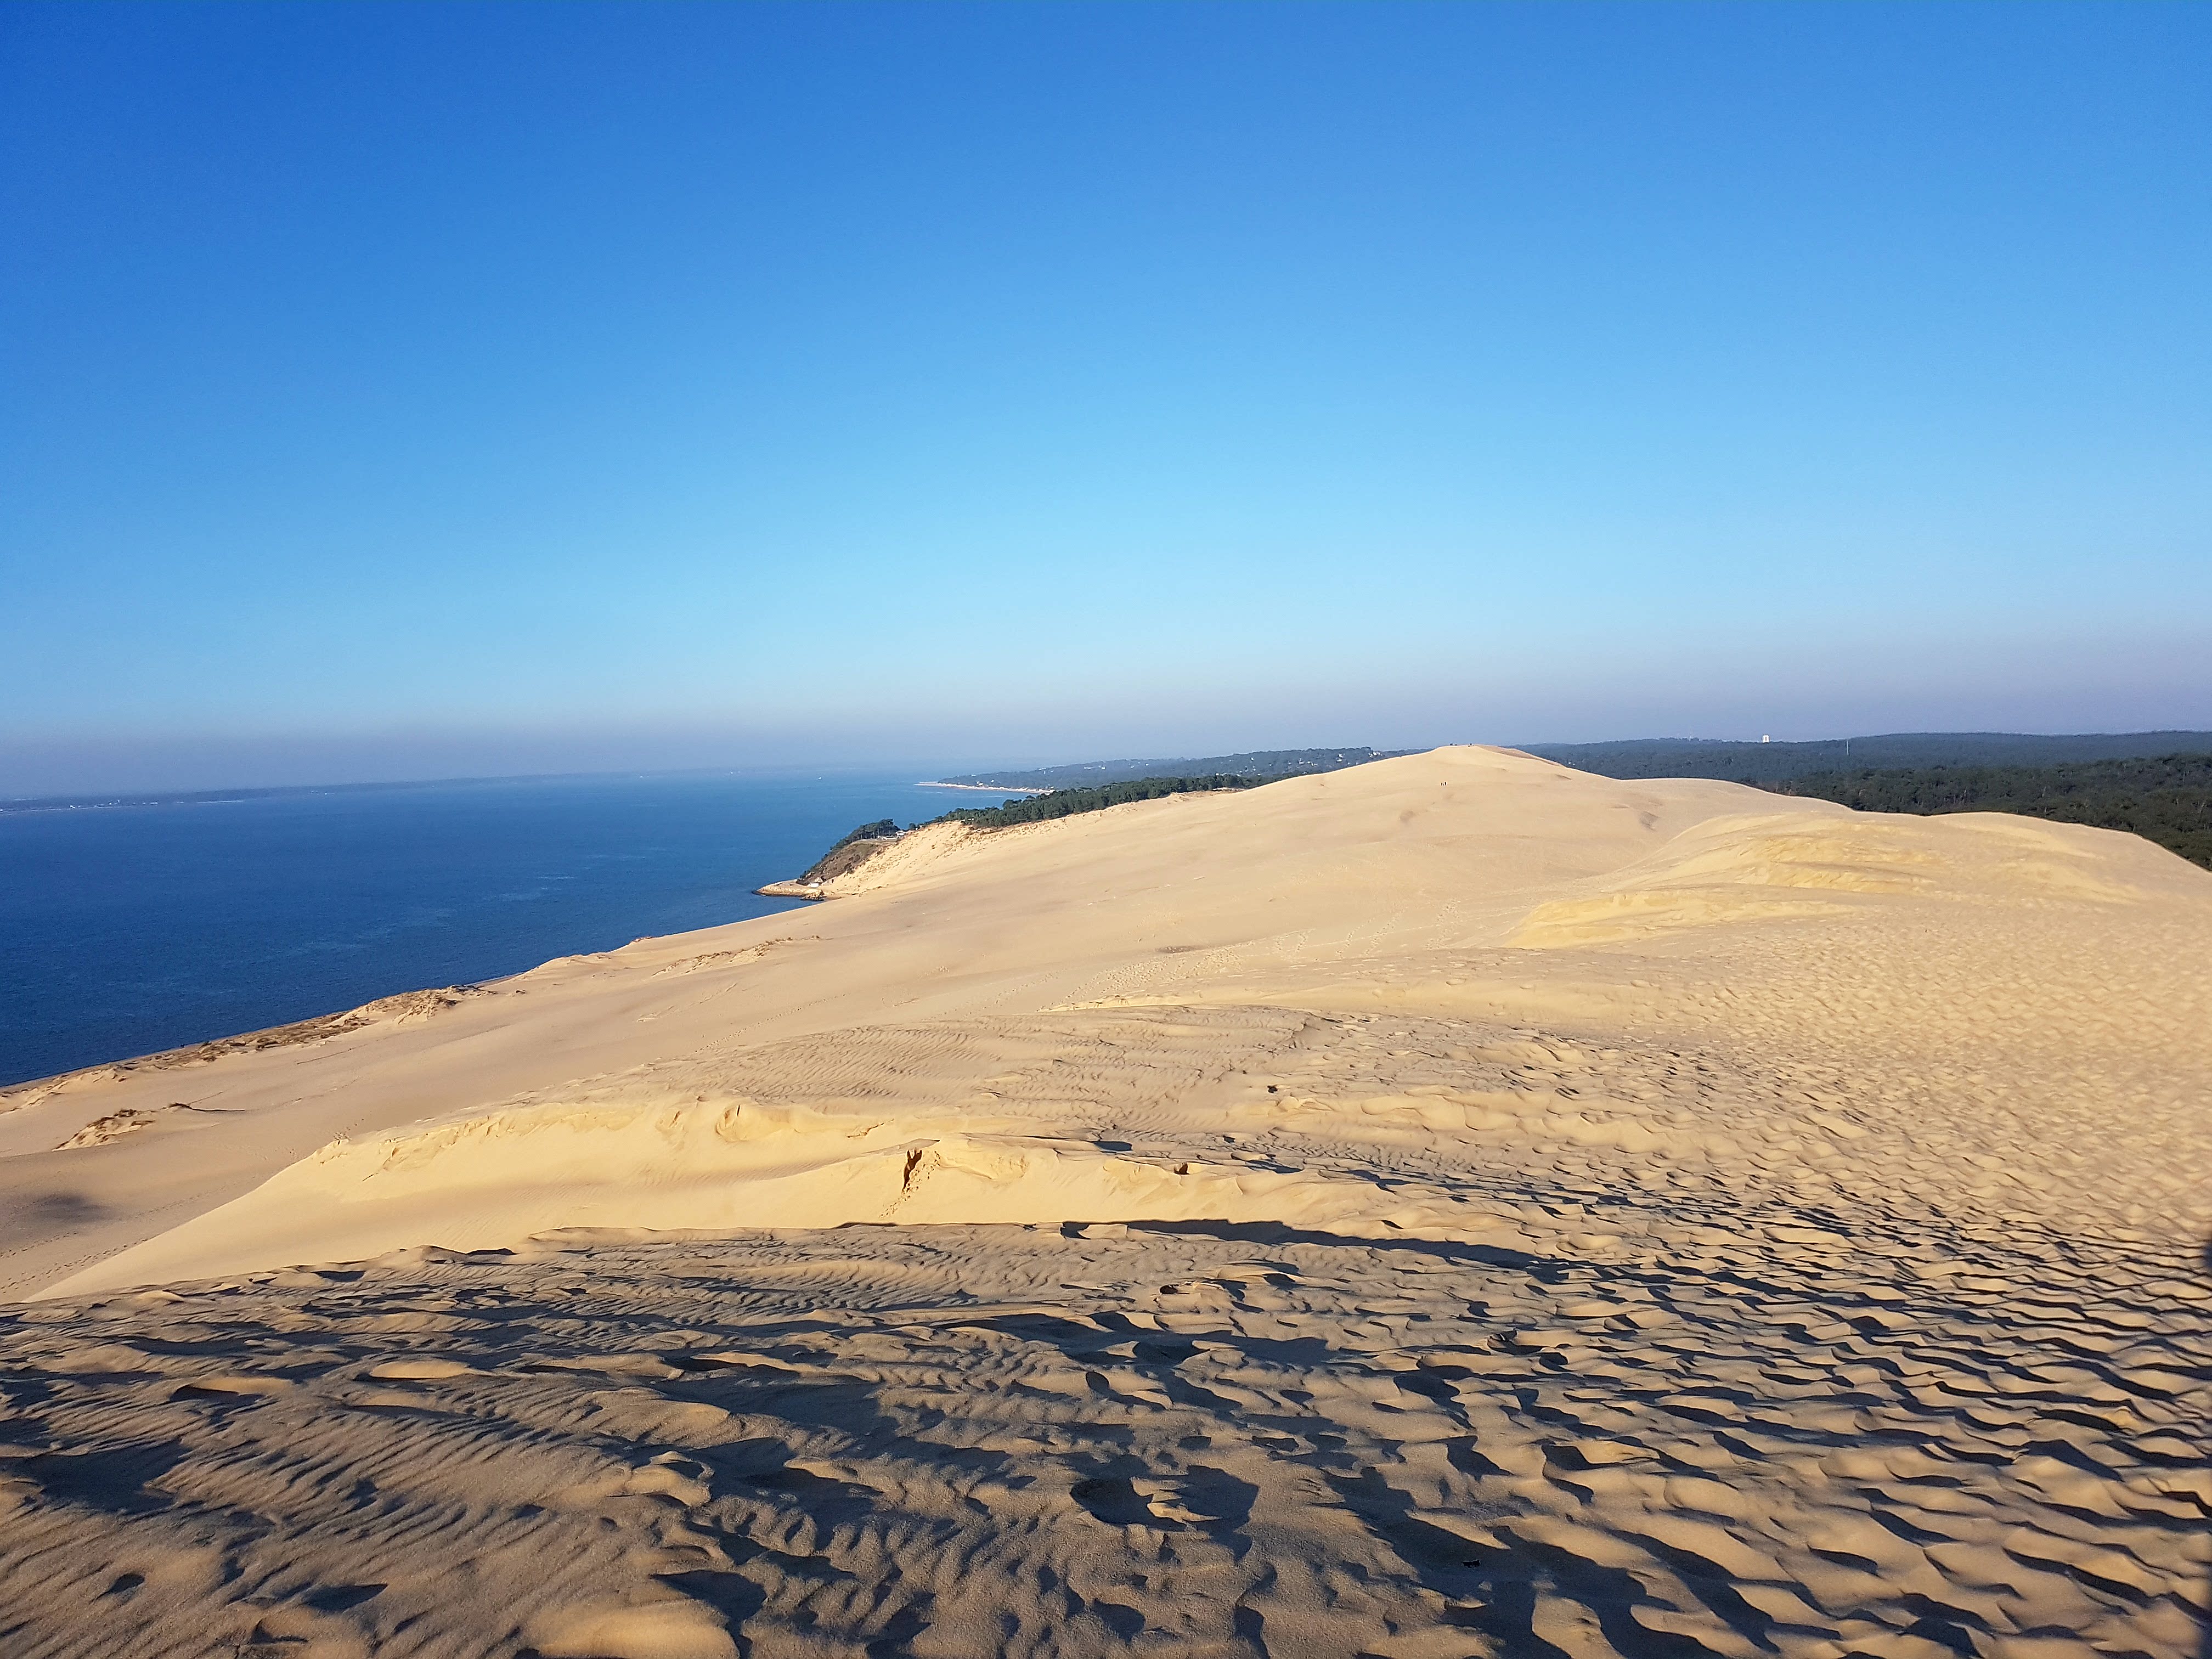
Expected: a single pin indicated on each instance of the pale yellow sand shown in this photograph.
(1458, 1206)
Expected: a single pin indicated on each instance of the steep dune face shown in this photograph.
(1455, 1207)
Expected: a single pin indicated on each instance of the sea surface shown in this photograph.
(130, 928)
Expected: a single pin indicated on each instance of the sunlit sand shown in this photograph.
(1434, 1209)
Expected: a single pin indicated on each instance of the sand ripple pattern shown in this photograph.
(1760, 1438)
(1790, 1243)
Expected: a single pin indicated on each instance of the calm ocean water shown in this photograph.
(129, 928)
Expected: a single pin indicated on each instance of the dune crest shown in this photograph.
(1456, 1208)
(1411, 884)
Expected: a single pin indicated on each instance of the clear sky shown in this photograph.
(420, 389)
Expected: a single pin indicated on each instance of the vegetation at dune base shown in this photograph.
(1767, 764)
(864, 844)
(856, 848)
(848, 853)
(2167, 800)
(1259, 763)
(1066, 803)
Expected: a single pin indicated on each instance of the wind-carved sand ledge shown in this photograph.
(1455, 1205)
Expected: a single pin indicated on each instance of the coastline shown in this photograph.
(986, 788)
(638, 1229)
(344, 912)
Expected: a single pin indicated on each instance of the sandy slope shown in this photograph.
(1458, 1206)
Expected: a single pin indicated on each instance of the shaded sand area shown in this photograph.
(1454, 1207)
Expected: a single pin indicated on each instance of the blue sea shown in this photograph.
(134, 926)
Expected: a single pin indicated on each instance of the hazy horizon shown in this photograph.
(403, 393)
(316, 763)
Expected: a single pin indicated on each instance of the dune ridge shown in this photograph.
(1454, 1207)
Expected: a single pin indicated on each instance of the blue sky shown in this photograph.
(394, 389)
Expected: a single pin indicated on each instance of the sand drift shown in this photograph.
(1453, 1206)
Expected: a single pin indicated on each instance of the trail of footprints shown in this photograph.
(961, 1441)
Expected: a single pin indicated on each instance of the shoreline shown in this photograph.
(986, 788)
(812, 893)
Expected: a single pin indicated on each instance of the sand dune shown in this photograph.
(1453, 1206)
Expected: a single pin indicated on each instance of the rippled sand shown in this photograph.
(1455, 1207)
